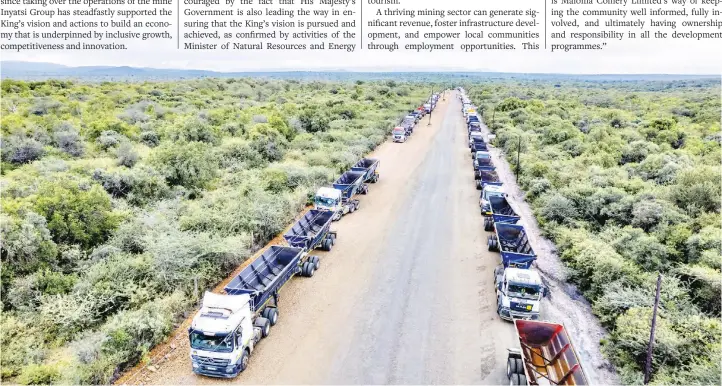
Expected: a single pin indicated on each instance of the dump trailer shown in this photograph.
(545, 355)
(478, 144)
(312, 231)
(486, 176)
(367, 166)
(512, 242)
(497, 210)
(227, 328)
(484, 164)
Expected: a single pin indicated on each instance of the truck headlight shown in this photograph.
(195, 365)
(230, 369)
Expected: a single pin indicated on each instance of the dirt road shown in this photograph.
(406, 295)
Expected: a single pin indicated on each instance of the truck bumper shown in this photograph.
(218, 372)
(509, 315)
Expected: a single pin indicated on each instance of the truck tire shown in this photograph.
(243, 362)
(315, 261)
(491, 243)
(519, 366)
(358, 204)
(522, 379)
(510, 367)
(514, 380)
(352, 209)
(271, 314)
(264, 324)
(478, 184)
(327, 244)
(308, 269)
(488, 226)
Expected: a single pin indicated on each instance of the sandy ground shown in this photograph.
(405, 297)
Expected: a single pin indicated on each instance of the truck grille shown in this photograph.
(211, 361)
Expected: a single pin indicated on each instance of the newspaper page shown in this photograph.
(369, 192)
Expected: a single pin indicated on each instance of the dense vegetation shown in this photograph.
(117, 195)
(625, 179)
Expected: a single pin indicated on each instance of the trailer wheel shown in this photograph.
(510, 367)
(271, 314)
(308, 269)
(264, 324)
(315, 261)
(495, 244)
(520, 367)
(488, 224)
(352, 209)
(327, 244)
(522, 379)
(478, 184)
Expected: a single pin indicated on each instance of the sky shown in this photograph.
(625, 56)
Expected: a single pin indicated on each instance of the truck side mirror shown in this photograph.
(545, 291)
(499, 286)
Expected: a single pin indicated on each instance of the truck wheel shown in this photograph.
(358, 204)
(514, 380)
(522, 379)
(315, 261)
(478, 184)
(495, 245)
(519, 367)
(271, 314)
(487, 224)
(510, 367)
(264, 324)
(309, 269)
(327, 244)
(243, 363)
(352, 209)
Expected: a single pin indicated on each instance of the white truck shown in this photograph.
(519, 293)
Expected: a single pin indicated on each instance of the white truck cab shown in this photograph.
(489, 191)
(474, 135)
(222, 335)
(519, 293)
(328, 199)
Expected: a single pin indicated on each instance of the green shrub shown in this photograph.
(191, 165)
(38, 375)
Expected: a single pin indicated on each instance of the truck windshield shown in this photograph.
(222, 343)
(488, 194)
(480, 155)
(398, 132)
(325, 201)
(525, 291)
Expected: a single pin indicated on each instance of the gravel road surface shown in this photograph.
(405, 297)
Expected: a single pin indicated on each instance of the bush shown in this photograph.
(27, 243)
(150, 138)
(70, 142)
(21, 150)
(76, 214)
(110, 138)
(126, 154)
(558, 208)
(191, 165)
(39, 375)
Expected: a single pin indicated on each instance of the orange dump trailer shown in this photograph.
(545, 356)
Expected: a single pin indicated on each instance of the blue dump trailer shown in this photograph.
(478, 145)
(351, 183)
(367, 166)
(512, 242)
(486, 177)
(312, 231)
(497, 210)
(483, 164)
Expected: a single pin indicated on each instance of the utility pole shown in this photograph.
(430, 106)
(648, 366)
(518, 150)
(493, 115)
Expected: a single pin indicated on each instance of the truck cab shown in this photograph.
(409, 122)
(519, 293)
(222, 335)
(398, 134)
(478, 155)
(328, 199)
(475, 136)
(427, 107)
(486, 192)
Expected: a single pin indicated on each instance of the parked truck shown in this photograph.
(226, 330)
(408, 123)
(519, 289)
(497, 209)
(545, 355)
(478, 144)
